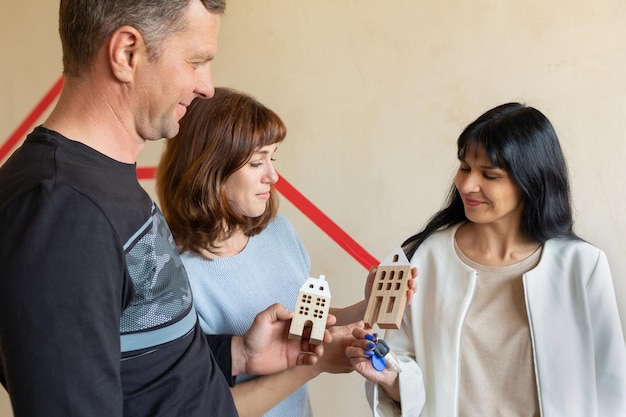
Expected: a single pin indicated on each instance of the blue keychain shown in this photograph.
(380, 356)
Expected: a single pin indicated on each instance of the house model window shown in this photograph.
(388, 298)
(311, 310)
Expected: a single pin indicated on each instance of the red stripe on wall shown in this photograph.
(146, 173)
(326, 224)
(31, 119)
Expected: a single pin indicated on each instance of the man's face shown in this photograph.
(166, 87)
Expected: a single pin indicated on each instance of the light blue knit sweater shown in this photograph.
(229, 292)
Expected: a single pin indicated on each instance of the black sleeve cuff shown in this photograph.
(220, 345)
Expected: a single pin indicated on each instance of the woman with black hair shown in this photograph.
(514, 315)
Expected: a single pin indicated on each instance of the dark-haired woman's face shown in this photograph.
(489, 194)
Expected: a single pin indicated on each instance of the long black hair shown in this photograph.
(522, 141)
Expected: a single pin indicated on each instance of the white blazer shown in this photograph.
(578, 345)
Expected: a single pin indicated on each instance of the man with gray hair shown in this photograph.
(96, 313)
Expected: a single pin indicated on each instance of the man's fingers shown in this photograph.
(278, 312)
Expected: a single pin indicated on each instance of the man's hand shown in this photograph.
(266, 348)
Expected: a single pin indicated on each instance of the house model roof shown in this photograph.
(316, 286)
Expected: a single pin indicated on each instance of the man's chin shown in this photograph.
(171, 132)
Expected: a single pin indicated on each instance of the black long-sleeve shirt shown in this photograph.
(96, 314)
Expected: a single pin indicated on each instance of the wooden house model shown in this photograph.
(388, 298)
(311, 310)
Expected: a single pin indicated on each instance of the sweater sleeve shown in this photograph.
(61, 291)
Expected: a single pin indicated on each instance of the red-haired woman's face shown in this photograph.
(248, 189)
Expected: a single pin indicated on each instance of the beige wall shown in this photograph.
(374, 95)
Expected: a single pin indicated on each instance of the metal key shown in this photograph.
(381, 358)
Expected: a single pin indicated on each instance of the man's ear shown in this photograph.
(125, 47)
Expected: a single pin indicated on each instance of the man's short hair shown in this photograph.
(85, 24)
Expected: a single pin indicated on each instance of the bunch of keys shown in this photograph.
(381, 357)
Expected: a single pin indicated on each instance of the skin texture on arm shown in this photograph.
(257, 396)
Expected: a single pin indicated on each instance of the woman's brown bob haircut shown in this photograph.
(217, 137)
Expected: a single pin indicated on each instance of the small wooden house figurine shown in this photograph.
(311, 310)
(388, 298)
